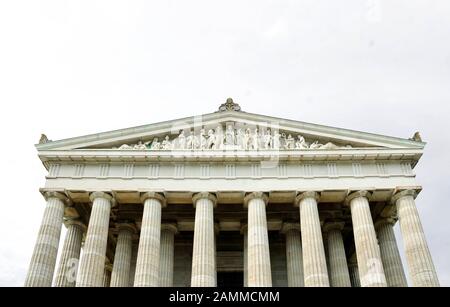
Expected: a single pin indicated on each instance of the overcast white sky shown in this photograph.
(69, 68)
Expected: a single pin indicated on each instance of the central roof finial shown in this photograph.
(229, 105)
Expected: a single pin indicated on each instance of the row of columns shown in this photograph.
(378, 259)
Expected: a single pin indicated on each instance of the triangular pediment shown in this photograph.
(230, 129)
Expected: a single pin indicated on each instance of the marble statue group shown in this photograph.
(231, 139)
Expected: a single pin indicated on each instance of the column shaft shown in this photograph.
(66, 275)
(339, 275)
(294, 258)
(203, 262)
(354, 275)
(92, 263)
(259, 270)
(42, 265)
(167, 255)
(314, 261)
(418, 256)
(147, 266)
(106, 280)
(390, 256)
(244, 232)
(370, 267)
(133, 264)
(120, 276)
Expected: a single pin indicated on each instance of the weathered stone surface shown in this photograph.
(418, 256)
(294, 255)
(390, 256)
(120, 276)
(147, 266)
(370, 266)
(42, 265)
(66, 275)
(166, 264)
(203, 262)
(314, 261)
(91, 271)
(259, 271)
(338, 268)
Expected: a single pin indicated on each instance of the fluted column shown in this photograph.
(120, 276)
(371, 272)
(92, 263)
(106, 281)
(147, 266)
(354, 274)
(216, 233)
(42, 265)
(66, 276)
(390, 256)
(134, 253)
(418, 256)
(259, 270)
(338, 269)
(314, 261)
(244, 231)
(293, 254)
(166, 264)
(203, 255)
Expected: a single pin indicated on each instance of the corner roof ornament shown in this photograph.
(229, 105)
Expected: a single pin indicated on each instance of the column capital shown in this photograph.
(172, 227)
(61, 196)
(386, 220)
(307, 194)
(126, 226)
(99, 194)
(75, 222)
(402, 194)
(337, 225)
(154, 195)
(290, 226)
(204, 195)
(362, 193)
(255, 195)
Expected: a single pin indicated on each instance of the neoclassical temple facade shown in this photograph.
(230, 198)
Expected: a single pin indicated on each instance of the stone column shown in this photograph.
(120, 276)
(168, 232)
(244, 231)
(66, 276)
(390, 256)
(420, 263)
(203, 262)
(92, 263)
(216, 233)
(106, 281)
(42, 265)
(338, 269)
(134, 253)
(293, 255)
(371, 272)
(354, 274)
(259, 270)
(147, 266)
(314, 261)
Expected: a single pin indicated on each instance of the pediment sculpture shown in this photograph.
(231, 139)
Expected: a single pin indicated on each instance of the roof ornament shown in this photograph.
(43, 139)
(229, 105)
(416, 137)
